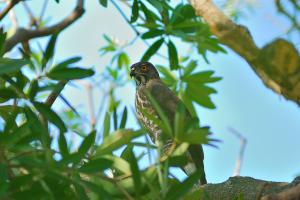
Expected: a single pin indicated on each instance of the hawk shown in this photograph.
(148, 83)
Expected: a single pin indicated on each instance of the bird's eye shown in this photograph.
(144, 68)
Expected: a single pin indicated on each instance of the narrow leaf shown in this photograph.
(70, 73)
(11, 65)
(103, 3)
(173, 56)
(124, 119)
(87, 143)
(63, 146)
(152, 49)
(135, 11)
(49, 50)
(46, 111)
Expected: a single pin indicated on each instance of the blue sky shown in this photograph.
(268, 121)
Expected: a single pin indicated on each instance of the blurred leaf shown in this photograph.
(179, 123)
(118, 163)
(135, 11)
(103, 3)
(186, 186)
(87, 143)
(124, 119)
(116, 140)
(173, 56)
(66, 63)
(196, 136)
(2, 41)
(152, 49)
(7, 94)
(123, 60)
(106, 125)
(152, 34)
(150, 16)
(49, 50)
(8, 65)
(70, 73)
(126, 152)
(33, 89)
(156, 4)
(96, 165)
(178, 161)
(63, 146)
(135, 172)
(47, 112)
(115, 117)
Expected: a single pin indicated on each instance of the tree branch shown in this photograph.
(248, 188)
(23, 34)
(9, 6)
(277, 63)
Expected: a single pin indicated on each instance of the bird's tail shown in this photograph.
(196, 158)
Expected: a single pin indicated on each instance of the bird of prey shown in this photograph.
(148, 82)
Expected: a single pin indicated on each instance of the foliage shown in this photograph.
(38, 159)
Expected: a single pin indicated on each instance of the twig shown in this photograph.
(54, 94)
(9, 6)
(89, 89)
(43, 10)
(23, 34)
(65, 100)
(240, 159)
(33, 21)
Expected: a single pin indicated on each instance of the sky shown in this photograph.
(268, 121)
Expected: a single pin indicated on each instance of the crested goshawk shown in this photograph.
(149, 83)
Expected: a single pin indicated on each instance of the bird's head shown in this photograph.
(143, 72)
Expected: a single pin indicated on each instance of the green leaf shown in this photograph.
(7, 94)
(135, 11)
(201, 77)
(70, 73)
(103, 3)
(196, 136)
(87, 143)
(135, 173)
(33, 89)
(116, 140)
(179, 124)
(173, 56)
(63, 146)
(96, 165)
(124, 119)
(126, 152)
(186, 186)
(66, 63)
(157, 4)
(152, 34)
(47, 112)
(106, 124)
(115, 117)
(8, 65)
(49, 50)
(152, 49)
(189, 68)
(200, 94)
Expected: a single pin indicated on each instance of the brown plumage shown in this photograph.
(149, 83)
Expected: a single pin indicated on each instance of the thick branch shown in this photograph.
(251, 189)
(9, 6)
(23, 34)
(277, 64)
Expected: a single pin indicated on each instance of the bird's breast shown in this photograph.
(143, 109)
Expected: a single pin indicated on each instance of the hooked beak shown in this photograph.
(132, 73)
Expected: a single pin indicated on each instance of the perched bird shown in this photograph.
(148, 82)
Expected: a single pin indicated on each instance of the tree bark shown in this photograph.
(248, 188)
(277, 63)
